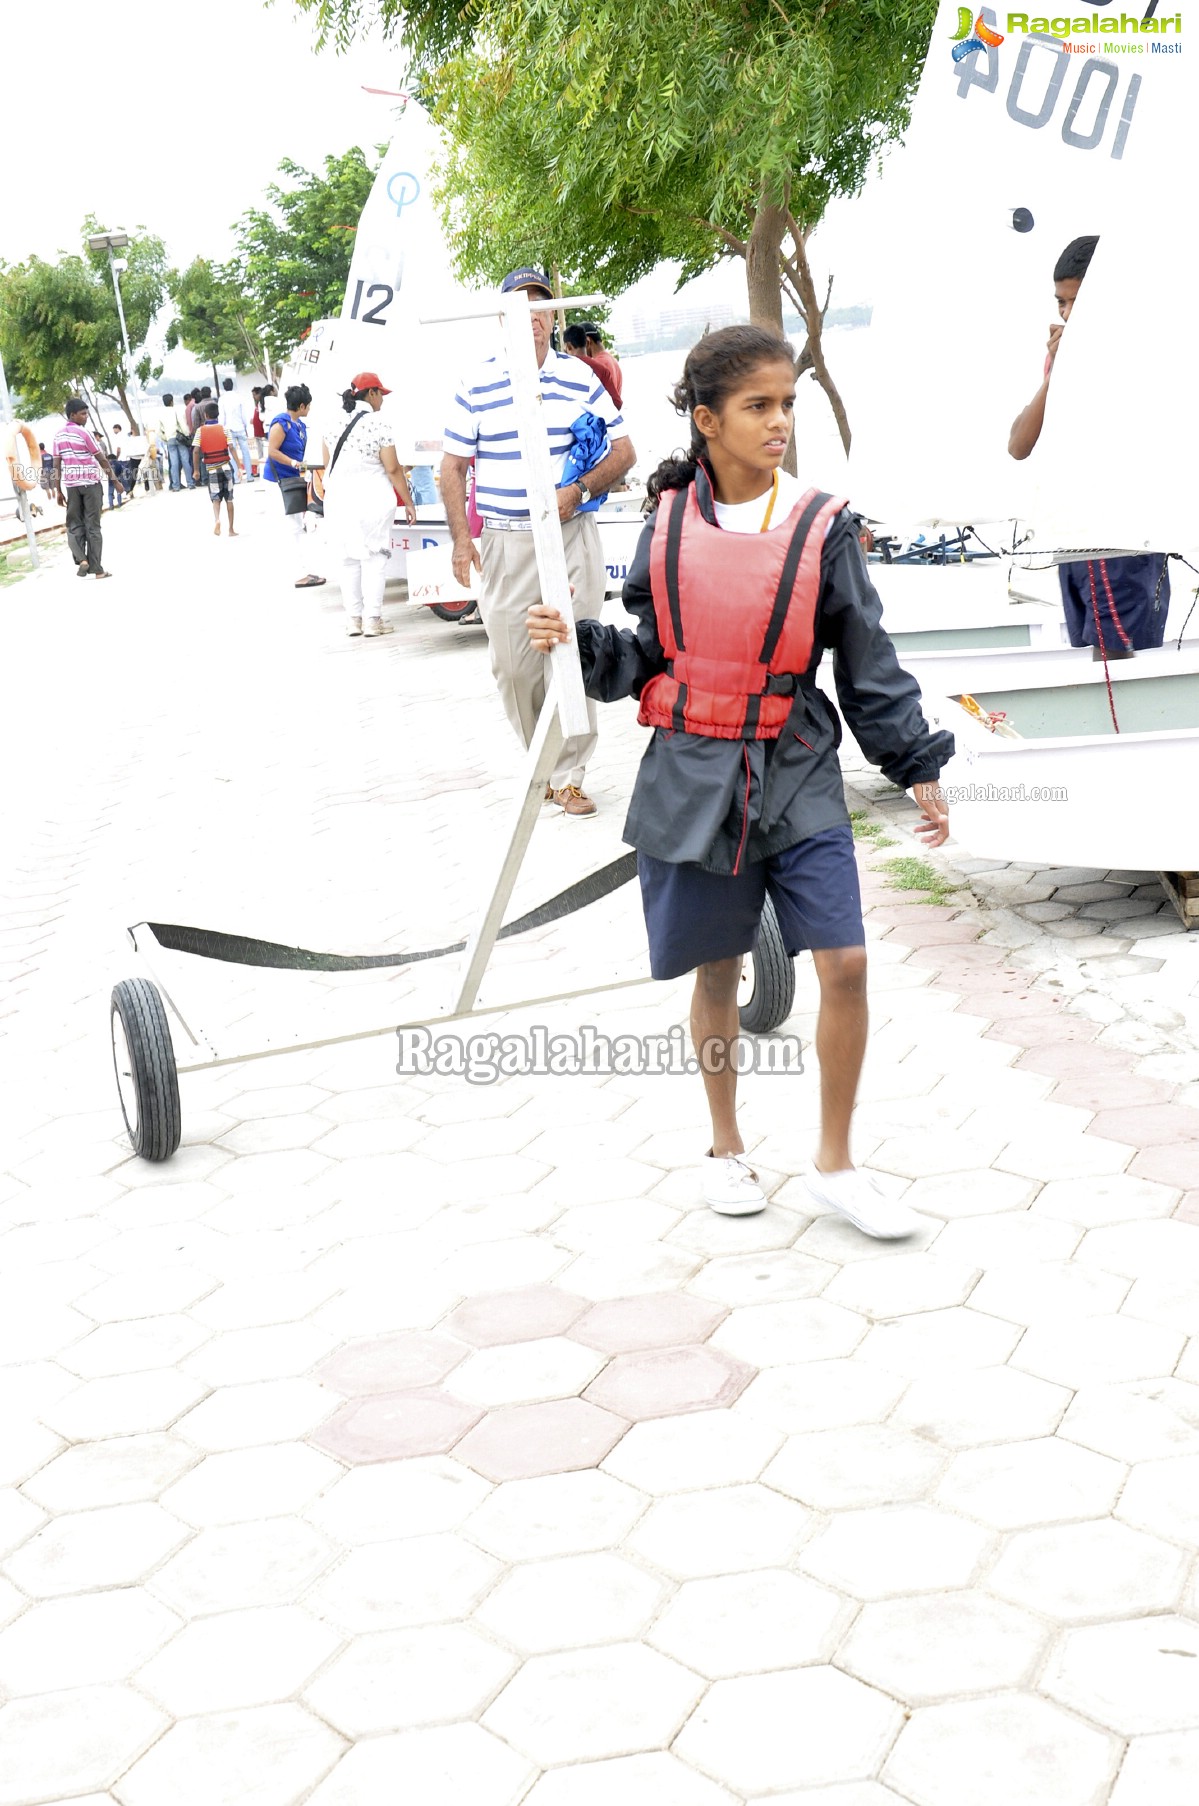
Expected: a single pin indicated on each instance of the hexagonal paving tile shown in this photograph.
(591, 1703)
(1163, 1497)
(653, 1320)
(569, 1602)
(61, 1744)
(400, 1363)
(446, 1766)
(943, 1645)
(821, 1395)
(235, 1566)
(494, 1318)
(720, 1531)
(82, 1642)
(1136, 1677)
(241, 1658)
(1139, 1420)
(264, 1411)
(866, 1464)
(1087, 1571)
(895, 1287)
(516, 1442)
(119, 1471)
(555, 1514)
(750, 1623)
(787, 1332)
(993, 1752)
(1159, 1771)
(1099, 1350)
(709, 1448)
(993, 1404)
(86, 1550)
(1112, 1198)
(393, 1679)
(399, 1498)
(1022, 1484)
(269, 1754)
(889, 1550)
(251, 1483)
(773, 1731)
(126, 1405)
(521, 1373)
(1158, 1249)
(758, 1278)
(414, 1581)
(665, 1382)
(1046, 1292)
(389, 1427)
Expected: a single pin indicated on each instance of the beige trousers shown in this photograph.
(508, 589)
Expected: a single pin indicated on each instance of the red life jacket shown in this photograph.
(214, 445)
(736, 615)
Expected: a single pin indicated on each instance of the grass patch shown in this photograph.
(872, 832)
(918, 874)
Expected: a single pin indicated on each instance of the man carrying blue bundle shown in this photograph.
(591, 449)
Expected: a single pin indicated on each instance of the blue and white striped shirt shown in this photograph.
(481, 426)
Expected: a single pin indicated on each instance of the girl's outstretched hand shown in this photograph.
(546, 627)
(934, 829)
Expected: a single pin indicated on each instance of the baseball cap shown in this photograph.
(366, 379)
(528, 277)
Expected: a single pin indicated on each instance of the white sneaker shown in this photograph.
(374, 625)
(856, 1196)
(354, 626)
(731, 1186)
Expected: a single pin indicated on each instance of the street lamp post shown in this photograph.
(110, 242)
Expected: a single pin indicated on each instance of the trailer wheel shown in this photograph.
(767, 990)
(450, 611)
(144, 1060)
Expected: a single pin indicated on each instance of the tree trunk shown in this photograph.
(762, 266)
(128, 411)
(812, 355)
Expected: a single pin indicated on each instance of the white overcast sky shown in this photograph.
(118, 112)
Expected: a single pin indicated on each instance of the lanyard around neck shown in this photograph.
(774, 496)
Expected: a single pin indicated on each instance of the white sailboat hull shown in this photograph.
(619, 530)
(1071, 790)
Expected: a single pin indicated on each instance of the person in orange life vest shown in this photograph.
(1117, 606)
(741, 581)
(210, 447)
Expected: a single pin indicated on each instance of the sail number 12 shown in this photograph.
(1038, 114)
(374, 314)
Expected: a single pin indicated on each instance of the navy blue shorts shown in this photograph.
(1131, 599)
(694, 918)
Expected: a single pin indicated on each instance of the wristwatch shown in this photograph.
(584, 492)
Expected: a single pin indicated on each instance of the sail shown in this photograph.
(1027, 133)
(400, 275)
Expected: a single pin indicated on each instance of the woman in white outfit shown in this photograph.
(362, 478)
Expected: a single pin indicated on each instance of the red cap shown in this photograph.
(365, 380)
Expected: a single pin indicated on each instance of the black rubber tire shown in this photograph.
(773, 996)
(152, 1081)
(449, 611)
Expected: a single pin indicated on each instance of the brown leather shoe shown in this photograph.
(571, 801)
(549, 793)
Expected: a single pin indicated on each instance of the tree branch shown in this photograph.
(734, 244)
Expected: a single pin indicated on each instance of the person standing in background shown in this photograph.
(233, 419)
(586, 343)
(116, 480)
(136, 447)
(363, 476)
(287, 442)
(78, 461)
(173, 434)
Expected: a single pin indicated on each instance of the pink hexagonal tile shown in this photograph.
(1111, 1091)
(400, 1363)
(954, 962)
(522, 1315)
(1150, 1127)
(1038, 1030)
(1067, 1060)
(1187, 1210)
(393, 1426)
(519, 1442)
(655, 1320)
(934, 934)
(1177, 1165)
(668, 1381)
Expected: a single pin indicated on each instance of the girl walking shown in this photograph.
(742, 580)
(363, 476)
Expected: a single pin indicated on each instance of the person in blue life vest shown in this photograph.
(741, 581)
(1117, 606)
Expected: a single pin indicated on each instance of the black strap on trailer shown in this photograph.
(242, 950)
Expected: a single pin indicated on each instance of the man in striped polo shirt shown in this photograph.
(78, 461)
(482, 426)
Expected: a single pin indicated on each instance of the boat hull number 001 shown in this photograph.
(982, 71)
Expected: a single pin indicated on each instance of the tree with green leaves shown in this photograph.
(694, 130)
(292, 261)
(59, 327)
(212, 318)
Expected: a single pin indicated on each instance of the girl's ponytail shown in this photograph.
(714, 368)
